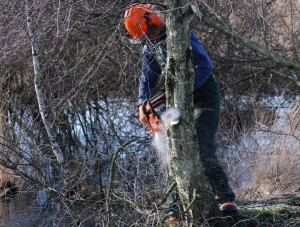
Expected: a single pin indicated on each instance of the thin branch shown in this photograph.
(112, 172)
(167, 193)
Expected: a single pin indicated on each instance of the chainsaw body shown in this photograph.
(154, 107)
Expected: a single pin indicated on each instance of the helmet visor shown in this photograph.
(142, 40)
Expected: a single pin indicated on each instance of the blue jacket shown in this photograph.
(151, 69)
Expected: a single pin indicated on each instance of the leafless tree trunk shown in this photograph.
(38, 88)
(187, 169)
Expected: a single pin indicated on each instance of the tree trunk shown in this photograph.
(185, 163)
(56, 162)
(38, 89)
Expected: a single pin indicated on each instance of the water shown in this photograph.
(14, 212)
(27, 210)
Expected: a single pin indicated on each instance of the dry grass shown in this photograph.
(7, 179)
(273, 165)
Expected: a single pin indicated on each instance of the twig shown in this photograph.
(167, 193)
(111, 172)
(191, 203)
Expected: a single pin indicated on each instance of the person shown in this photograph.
(144, 25)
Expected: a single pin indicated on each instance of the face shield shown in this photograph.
(142, 40)
(152, 36)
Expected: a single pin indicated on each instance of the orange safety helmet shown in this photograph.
(139, 19)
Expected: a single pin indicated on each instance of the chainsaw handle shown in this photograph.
(151, 109)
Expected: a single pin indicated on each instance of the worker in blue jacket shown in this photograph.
(146, 26)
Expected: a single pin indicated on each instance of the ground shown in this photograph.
(276, 212)
(19, 211)
(282, 211)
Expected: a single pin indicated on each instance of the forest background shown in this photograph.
(68, 108)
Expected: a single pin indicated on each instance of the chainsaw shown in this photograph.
(154, 107)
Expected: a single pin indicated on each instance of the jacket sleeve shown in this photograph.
(202, 63)
(151, 72)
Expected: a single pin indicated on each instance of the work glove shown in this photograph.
(142, 115)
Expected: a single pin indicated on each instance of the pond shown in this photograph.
(26, 209)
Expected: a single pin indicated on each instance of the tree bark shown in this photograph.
(185, 163)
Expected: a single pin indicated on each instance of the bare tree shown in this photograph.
(195, 194)
(38, 88)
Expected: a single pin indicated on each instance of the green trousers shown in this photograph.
(207, 116)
